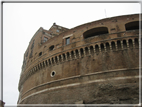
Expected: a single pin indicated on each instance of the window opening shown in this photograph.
(136, 43)
(124, 44)
(113, 46)
(130, 43)
(132, 25)
(107, 46)
(102, 48)
(95, 32)
(97, 48)
(51, 48)
(86, 51)
(77, 53)
(118, 45)
(72, 54)
(40, 53)
(53, 73)
(91, 50)
(45, 39)
(81, 52)
(68, 55)
(67, 40)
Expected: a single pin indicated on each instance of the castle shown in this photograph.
(93, 63)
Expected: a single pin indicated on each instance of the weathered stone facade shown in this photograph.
(94, 63)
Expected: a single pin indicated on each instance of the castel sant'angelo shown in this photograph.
(93, 63)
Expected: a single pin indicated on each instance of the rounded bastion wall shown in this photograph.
(100, 64)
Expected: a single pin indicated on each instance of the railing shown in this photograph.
(83, 51)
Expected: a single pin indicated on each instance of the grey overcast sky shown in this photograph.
(22, 20)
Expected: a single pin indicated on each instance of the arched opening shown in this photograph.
(113, 46)
(60, 58)
(40, 65)
(40, 53)
(53, 61)
(136, 43)
(107, 46)
(46, 63)
(118, 45)
(43, 64)
(81, 52)
(132, 25)
(102, 47)
(72, 54)
(56, 59)
(95, 31)
(68, 55)
(92, 50)
(64, 57)
(97, 48)
(77, 53)
(86, 51)
(124, 44)
(130, 43)
(49, 62)
(51, 48)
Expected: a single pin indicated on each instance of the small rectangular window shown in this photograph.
(67, 40)
(45, 39)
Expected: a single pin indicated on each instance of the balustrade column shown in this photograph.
(51, 62)
(44, 63)
(62, 58)
(58, 59)
(79, 53)
(89, 50)
(66, 56)
(116, 45)
(70, 56)
(99, 48)
(110, 46)
(74, 54)
(122, 44)
(105, 47)
(133, 43)
(54, 60)
(94, 49)
(84, 52)
(127, 43)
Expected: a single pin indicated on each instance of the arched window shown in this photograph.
(118, 45)
(40, 53)
(107, 46)
(97, 48)
(68, 55)
(102, 47)
(124, 44)
(130, 43)
(56, 60)
(72, 54)
(51, 48)
(113, 46)
(132, 25)
(64, 57)
(49, 62)
(81, 52)
(77, 53)
(136, 43)
(92, 50)
(86, 51)
(60, 58)
(95, 31)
